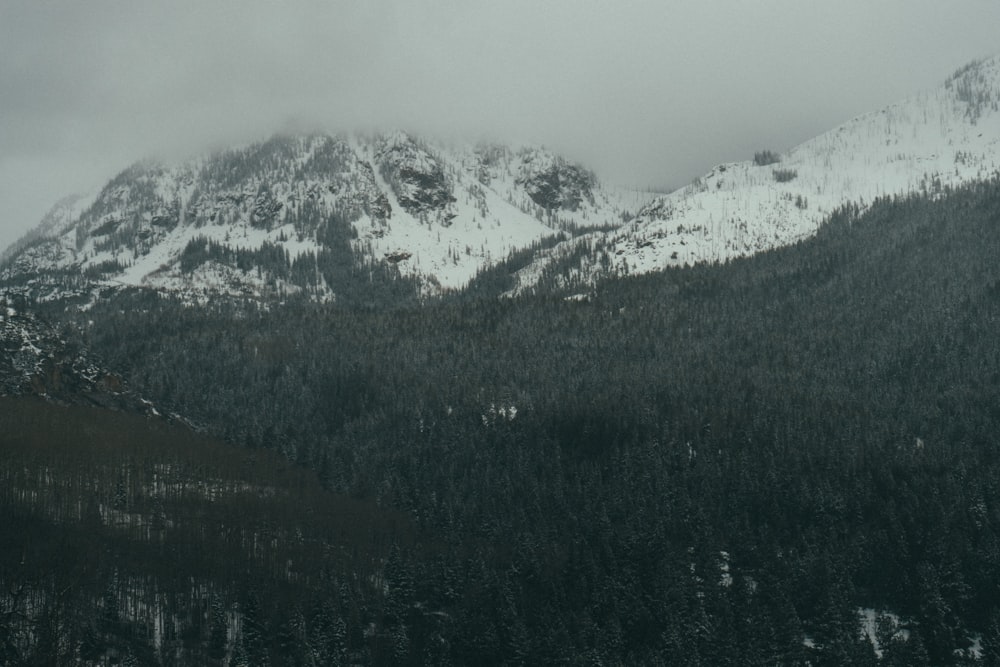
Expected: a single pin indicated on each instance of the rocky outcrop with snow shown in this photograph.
(35, 359)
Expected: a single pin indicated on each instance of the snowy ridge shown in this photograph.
(945, 137)
(263, 219)
(56, 221)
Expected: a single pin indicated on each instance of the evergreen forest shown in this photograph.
(712, 465)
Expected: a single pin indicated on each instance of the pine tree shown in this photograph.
(218, 638)
(906, 652)
(991, 641)
(254, 636)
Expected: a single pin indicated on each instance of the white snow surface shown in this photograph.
(936, 139)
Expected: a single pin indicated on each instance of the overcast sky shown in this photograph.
(648, 93)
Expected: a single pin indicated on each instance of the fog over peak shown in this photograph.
(646, 93)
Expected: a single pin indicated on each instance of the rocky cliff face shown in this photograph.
(554, 184)
(416, 176)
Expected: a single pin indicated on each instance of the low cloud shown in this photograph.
(647, 93)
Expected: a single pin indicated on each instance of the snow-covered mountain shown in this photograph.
(310, 214)
(303, 213)
(934, 140)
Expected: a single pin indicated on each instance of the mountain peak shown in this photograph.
(302, 214)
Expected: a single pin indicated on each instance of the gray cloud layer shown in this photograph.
(647, 92)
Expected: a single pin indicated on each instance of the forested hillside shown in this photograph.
(717, 465)
(128, 540)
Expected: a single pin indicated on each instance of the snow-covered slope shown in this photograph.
(303, 213)
(937, 139)
(56, 221)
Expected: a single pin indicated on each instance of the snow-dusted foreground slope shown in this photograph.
(940, 138)
(268, 218)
